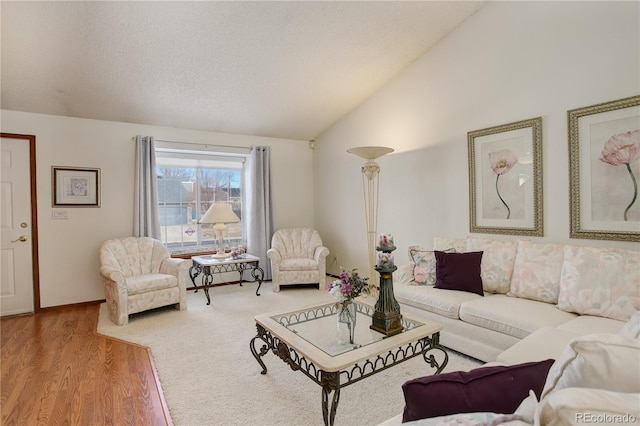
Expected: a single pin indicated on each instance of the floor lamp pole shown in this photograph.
(370, 173)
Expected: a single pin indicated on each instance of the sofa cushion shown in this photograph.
(459, 271)
(589, 324)
(536, 271)
(445, 243)
(544, 343)
(512, 316)
(600, 281)
(442, 302)
(497, 262)
(482, 389)
(600, 361)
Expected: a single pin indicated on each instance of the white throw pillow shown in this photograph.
(600, 361)
(632, 327)
(588, 406)
(528, 407)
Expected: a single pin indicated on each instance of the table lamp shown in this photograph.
(219, 213)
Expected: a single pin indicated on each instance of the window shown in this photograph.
(188, 183)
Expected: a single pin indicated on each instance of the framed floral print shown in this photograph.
(505, 179)
(75, 187)
(604, 167)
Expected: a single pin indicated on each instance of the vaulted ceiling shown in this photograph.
(266, 68)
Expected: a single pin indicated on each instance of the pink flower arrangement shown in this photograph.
(349, 286)
(501, 162)
(623, 149)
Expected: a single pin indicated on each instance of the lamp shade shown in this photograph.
(219, 212)
(370, 152)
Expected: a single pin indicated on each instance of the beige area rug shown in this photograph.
(210, 377)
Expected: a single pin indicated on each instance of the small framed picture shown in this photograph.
(75, 187)
(505, 179)
(604, 168)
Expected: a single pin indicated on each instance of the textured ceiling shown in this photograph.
(278, 69)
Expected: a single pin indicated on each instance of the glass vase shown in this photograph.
(346, 321)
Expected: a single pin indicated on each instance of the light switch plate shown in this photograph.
(60, 214)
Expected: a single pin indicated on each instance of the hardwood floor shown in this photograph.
(57, 370)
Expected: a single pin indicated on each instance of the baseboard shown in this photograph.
(72, 305)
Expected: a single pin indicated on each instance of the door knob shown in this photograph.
(22, 238)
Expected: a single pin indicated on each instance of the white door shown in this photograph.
(16, 262)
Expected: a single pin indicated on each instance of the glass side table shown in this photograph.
(208, 265)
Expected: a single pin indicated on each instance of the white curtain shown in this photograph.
(258, 211)
(146, 218)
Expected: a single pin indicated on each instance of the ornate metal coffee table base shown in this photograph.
(334, 381)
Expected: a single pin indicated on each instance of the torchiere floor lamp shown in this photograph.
(370, 174)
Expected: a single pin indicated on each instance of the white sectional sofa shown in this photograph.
(536, 298)
(577, 305)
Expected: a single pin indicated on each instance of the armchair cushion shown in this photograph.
(498, 389)
(150, 282)
(298, 264)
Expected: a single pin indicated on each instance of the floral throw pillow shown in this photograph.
(536, 271)
(497, 262)
(600, 281)
(423, 264)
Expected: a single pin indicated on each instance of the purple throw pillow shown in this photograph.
(459, 271)
(498, 389)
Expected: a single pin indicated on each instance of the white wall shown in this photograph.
(68, 249)
(511, 61)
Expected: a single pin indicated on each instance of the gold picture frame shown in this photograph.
(604, 167)
(75, 187)
(505, 179)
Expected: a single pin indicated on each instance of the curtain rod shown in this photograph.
(202, 144)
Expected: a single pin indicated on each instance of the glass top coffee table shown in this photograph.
(307, 340)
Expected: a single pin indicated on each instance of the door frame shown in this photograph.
(31, 139)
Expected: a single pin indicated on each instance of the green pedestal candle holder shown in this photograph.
(386, 318)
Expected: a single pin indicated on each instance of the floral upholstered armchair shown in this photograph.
(297, 257)
(139, 274)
